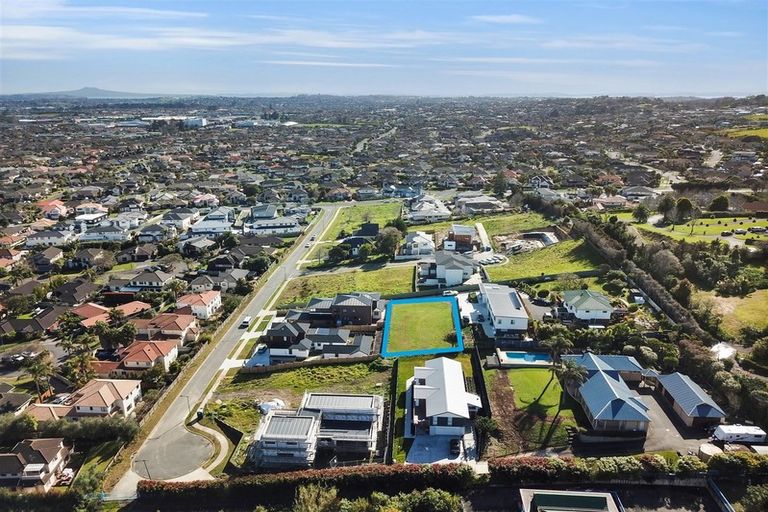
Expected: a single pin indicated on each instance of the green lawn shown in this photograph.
(350, 219)
(405, 372)
(420, 326)
(386, 281)
(494, 224)
(538, 420)
(100, 455)
(561, 258)
(744, 132)
(240, 413)
(704, 229)
(740, 312)
(290, 385)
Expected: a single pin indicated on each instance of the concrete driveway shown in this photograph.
(667, 431)
(428, 449)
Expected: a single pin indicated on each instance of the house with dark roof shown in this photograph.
(607, 401)
(446, 270)
(34, 463)
(75, 292)
(691, 403)
(360, 346)
(44, 260)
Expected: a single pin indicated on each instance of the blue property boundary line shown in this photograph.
(427, 351)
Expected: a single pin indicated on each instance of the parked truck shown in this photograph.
(739, 434)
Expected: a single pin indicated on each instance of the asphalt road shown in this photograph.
(171, 451)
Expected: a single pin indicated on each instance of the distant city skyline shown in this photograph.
(348, 47)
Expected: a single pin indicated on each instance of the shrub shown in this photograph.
(617, 467)
(690, 465)
(536, 469)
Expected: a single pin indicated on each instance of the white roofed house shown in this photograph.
(448, 269)
(507, 315)
(274, 226)
(417, 244)
(441, 404)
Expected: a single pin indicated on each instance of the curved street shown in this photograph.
(173, 452)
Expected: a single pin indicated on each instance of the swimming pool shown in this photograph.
(520, 359)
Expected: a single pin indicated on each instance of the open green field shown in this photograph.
(704, 229)
(740, 312)
(538, 418)
(291, 384)
(386, 281)
(405, 372)
(561, 258)
(349, 219)
(420, 326)
(748, 132)
(494, 224)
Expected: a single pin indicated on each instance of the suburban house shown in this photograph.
(143, 355)
(180, 219)
(609, 404)
(358, 308)
(507, 315)
(92, 313)
(275, 226)
(287, 340)
(92, 257)
(417, 244)
(366, 234)
(285, 439)
(460, 238)
(426, 208)
(153, 281)
(157, 233)
(34, 463)
(334, 423)
(12, 402)
(50, 237)
(479, 204)
(139, 253)
(691, 403)
(448, 269)
(441, 404)
(202, 305)
(167, 327)
(106, 234)
(263, 211)
(74, 292)
(638, 193)
(106, 397)
(45, 259)
(360, 346)
(587, 305)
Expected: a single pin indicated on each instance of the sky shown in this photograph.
(411, 47)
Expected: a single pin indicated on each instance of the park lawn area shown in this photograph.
(100, 455)
(387, 281)
(562, 258)
(740, 312)
(494, 224)
(290, 385)
(405, 366)
(420, 326)
(704, 229)
(349, 219)
(748, 132)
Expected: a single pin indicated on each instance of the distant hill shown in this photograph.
(86, 93)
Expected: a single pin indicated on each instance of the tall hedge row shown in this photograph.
(279, 488)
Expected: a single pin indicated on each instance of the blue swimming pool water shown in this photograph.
(528, 356)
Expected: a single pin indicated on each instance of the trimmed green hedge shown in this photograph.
(279, 488)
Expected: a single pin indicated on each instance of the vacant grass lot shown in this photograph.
(561, 258)
(748, 132)
(494, 224)
(290, 385)
(420, 326)
(405, 372)
(704, 229)
(99, 456)
(740, 312)
(386, 281)
(350, 219)
(527, 402)
(243, 414)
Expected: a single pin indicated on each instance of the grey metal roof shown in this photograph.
(326, 401)
(609, 398)
(606, 363)
(693, 400)
(503, 301)
(289, 427)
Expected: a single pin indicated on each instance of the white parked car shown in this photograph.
(275, 403)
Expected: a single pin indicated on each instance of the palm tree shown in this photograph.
(82, 370)
(116, 317)
(569, 372)
(40, 368)
(176, 286)
(557, 345)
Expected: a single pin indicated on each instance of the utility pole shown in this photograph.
(146, 468)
